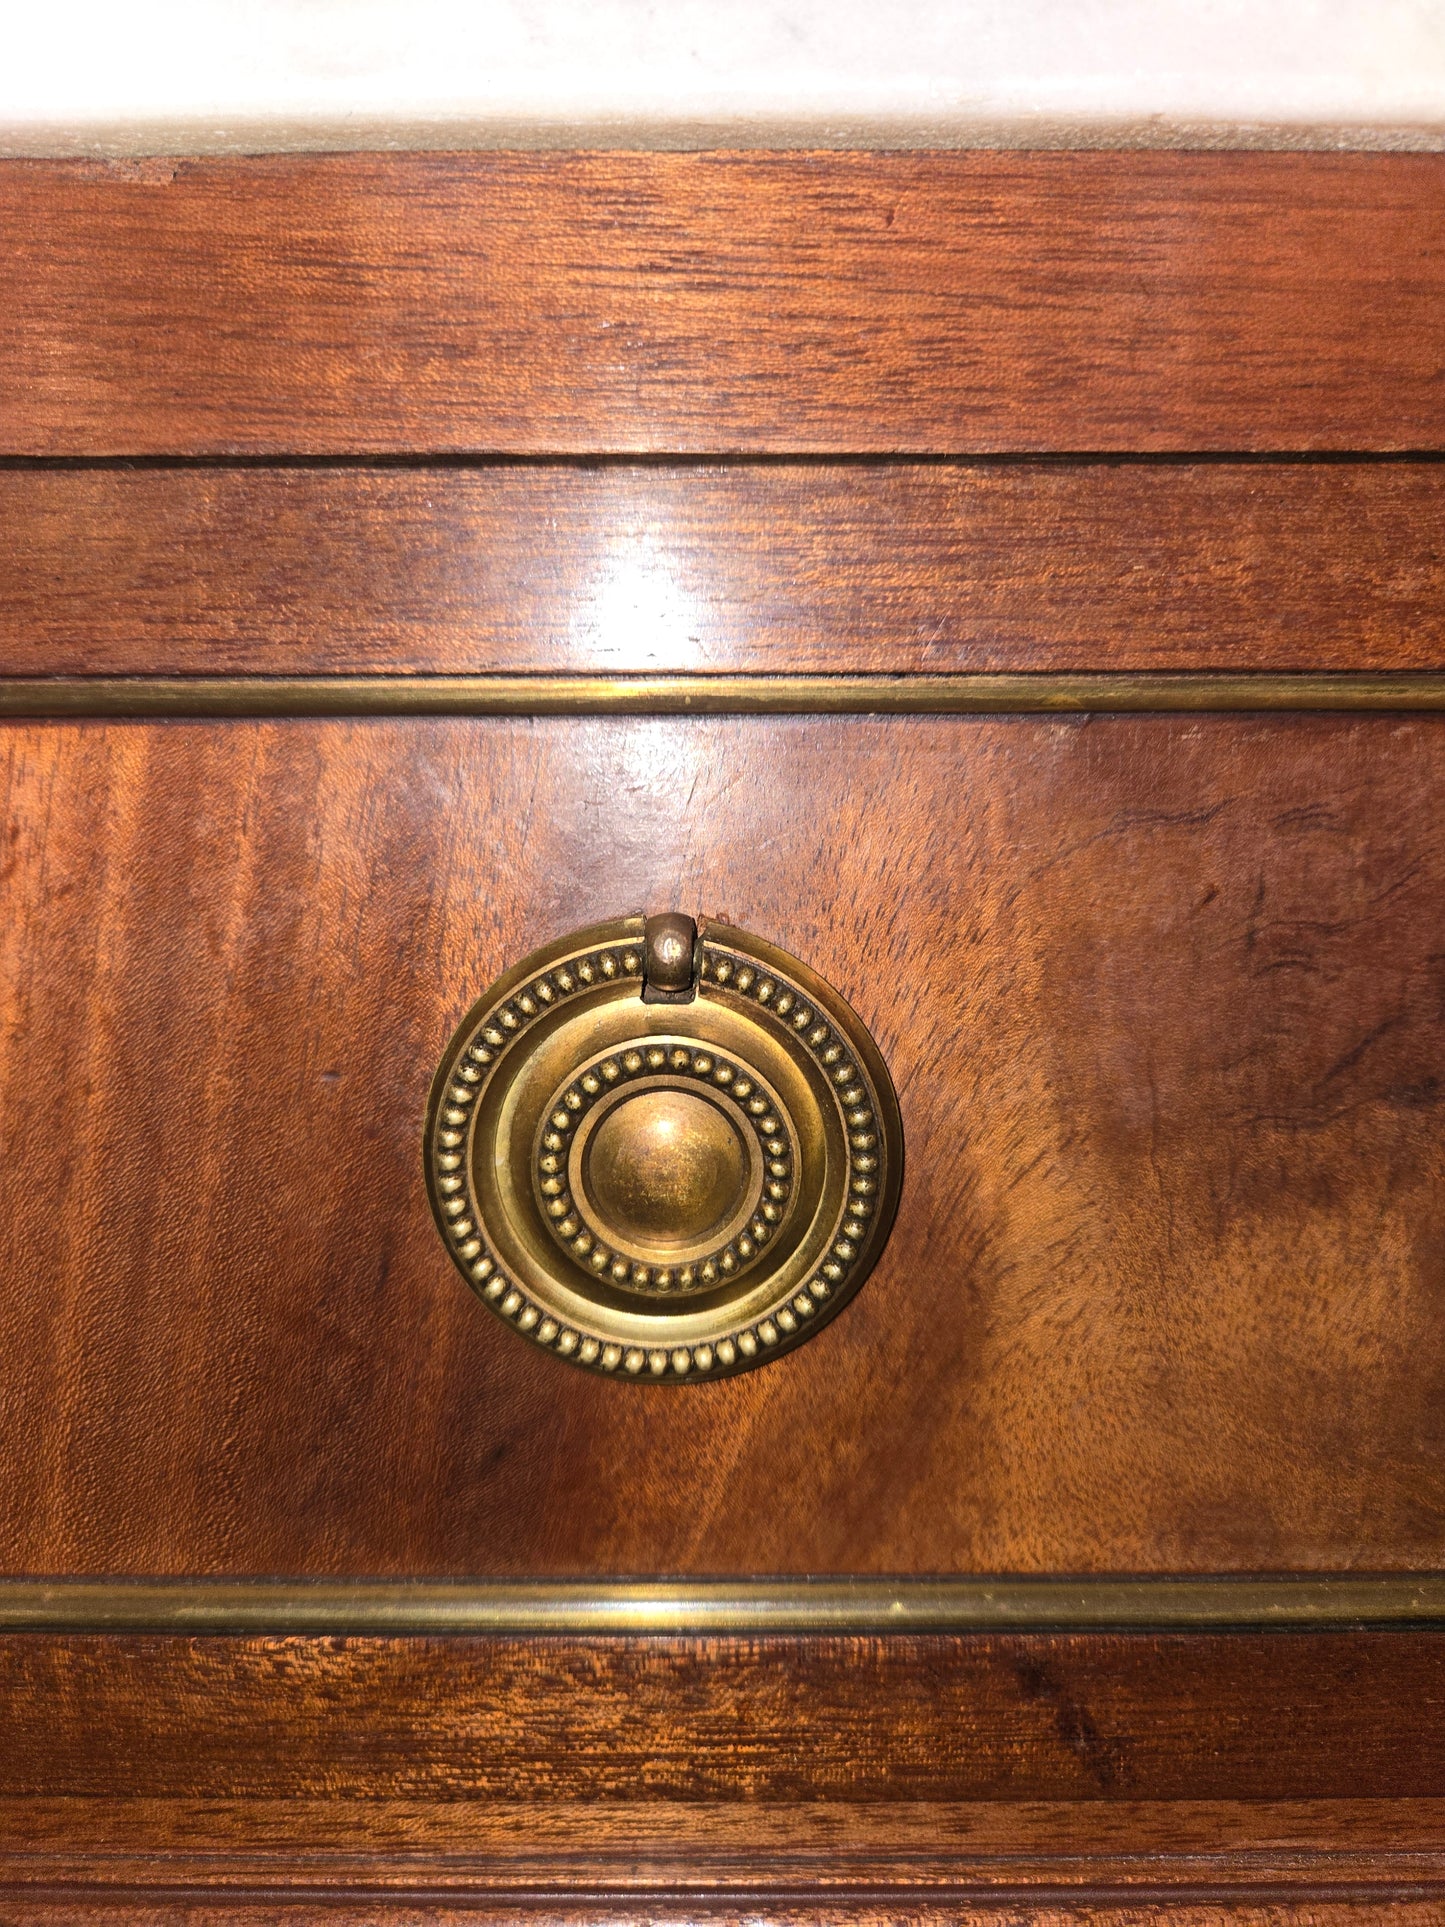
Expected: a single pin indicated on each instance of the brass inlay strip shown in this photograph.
(718, 1606)
(712, 695)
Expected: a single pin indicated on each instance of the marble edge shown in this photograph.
(184, 138)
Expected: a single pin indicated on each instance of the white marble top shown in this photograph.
(152, 76)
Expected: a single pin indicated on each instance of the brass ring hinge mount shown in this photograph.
(669, 959)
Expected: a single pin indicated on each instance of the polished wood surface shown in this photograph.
(1099, 1718)
(884, 567)
(450, 1839)
(1159, 1775)
(1162, 1000)
(540, 303)
(1163, 996)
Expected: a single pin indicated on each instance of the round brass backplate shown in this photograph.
(661, 1173)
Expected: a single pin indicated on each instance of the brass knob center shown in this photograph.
(665, 1171)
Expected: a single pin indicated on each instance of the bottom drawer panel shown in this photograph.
(1164, 1001)
(1023, 1782)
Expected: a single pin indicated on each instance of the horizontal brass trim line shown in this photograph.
(188, 697)
(717, 1606)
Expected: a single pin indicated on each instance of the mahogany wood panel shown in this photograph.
(668, 1859)
(1353, 1717)
(1039, 1779)
(723, 302)
(452, 1841)
(1164, 1001)
(795, 567)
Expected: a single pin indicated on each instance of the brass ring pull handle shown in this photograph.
(663, 1152)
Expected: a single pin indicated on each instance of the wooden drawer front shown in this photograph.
(410, 559)
(1164, 1001)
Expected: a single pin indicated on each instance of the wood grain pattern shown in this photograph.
(1164, 997)
(770, 1723)
(605, 1860)
(1017, 1779)
(807, 567)
(1163, 1001)
(540, 303)
(452, 1840)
